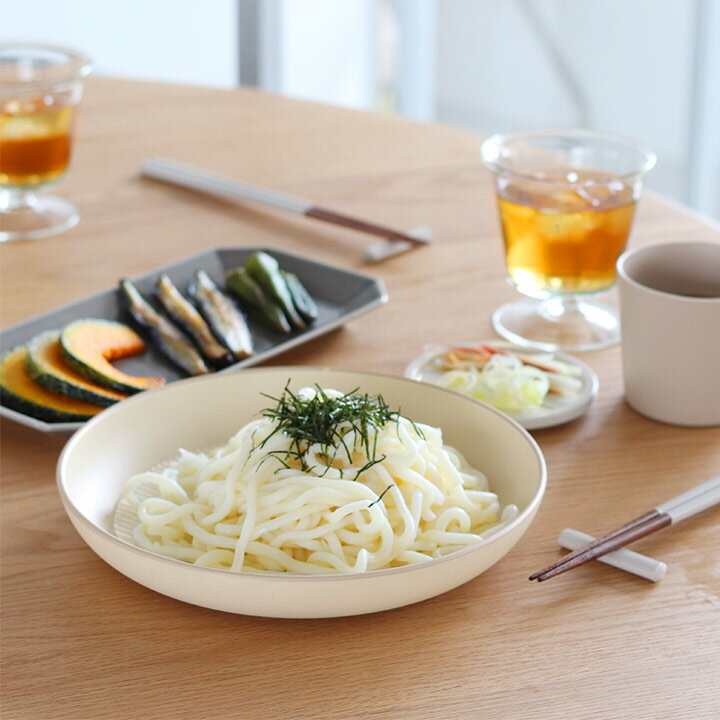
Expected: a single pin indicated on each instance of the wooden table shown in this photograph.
(81, 641)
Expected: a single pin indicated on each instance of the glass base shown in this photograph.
(561, 323)
(26, 216)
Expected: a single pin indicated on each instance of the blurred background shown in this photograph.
(647, 69)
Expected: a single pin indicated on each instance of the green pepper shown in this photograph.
(304, 303)
(239, 282)
(265, 271)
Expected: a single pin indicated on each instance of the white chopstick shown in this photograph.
(219, 186)
(395, 242)
(693, 501)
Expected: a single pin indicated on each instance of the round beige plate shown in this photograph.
(149, 428)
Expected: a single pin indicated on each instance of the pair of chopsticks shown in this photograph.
(689, 503)
(395, 242)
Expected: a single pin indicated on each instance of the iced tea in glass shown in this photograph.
(566, 201)
(40, 90)
(35, 142)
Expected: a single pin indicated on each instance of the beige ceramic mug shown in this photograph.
(670, 324)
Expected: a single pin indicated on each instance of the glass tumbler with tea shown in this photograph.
(40, 90)
(567, 200)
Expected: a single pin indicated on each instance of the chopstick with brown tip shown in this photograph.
(229, 189)
(598, 541)
(337, 218)
(607, 545)
(689, 503)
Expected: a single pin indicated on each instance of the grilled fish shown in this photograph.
(169, 339)
(222, 315)
(185, 314)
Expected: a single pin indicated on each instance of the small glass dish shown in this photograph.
(554, 410)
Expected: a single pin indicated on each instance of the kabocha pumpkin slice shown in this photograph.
(88, 346)
(46, 365)
(20, 392)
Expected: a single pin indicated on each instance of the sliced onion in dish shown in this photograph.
(504, 382)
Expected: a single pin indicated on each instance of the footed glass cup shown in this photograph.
(567, 200)
(40, 90)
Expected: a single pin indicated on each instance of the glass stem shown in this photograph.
(13, 200)
(558, 309)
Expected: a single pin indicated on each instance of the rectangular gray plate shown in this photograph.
(340, 296)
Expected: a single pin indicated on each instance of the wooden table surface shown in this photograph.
(80, 641)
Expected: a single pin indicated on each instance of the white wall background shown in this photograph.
(648, 69)
(319, 50)
(626, 67)
(171, 40)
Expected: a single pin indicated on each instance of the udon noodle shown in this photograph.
(395, 496)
